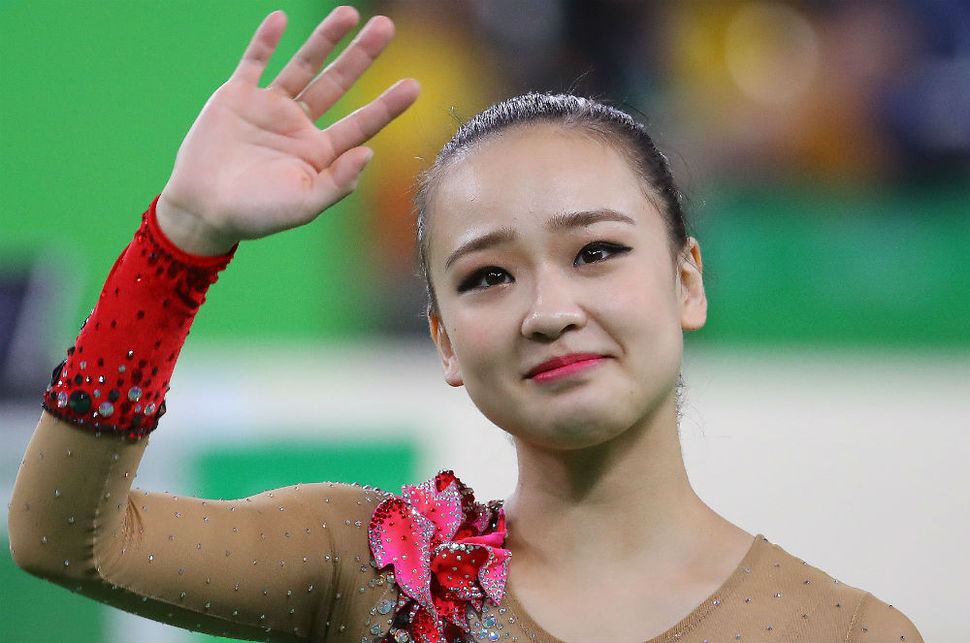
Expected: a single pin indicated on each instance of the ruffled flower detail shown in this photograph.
(446, 551)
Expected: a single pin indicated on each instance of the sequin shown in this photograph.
(106, 409)
(384, 607)
(80, 402)
(425, 525)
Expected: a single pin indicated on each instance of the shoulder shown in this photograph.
(875, 620)
(815, 603)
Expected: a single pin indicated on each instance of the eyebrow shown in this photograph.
(494, 238)
(585, 218)
(561, 221)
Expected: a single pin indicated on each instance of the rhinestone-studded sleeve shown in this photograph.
(117, 372)
(288, 564)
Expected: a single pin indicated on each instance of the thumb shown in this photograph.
(340, 179)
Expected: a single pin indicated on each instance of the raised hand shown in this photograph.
(254, 163)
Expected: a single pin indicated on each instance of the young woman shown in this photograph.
(560, 279)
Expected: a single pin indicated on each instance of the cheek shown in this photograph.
(643, 314)
(643, 298)
(477, 342)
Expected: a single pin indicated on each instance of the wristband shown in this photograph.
(116, 375)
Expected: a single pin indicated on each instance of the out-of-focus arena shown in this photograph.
(824, 148)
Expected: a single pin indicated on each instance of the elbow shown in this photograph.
(30, 562)
(40, 550)
(36, 556)
(22, 554)
(28, 548)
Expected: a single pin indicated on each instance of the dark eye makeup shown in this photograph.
(488, 276)
(599, 251)
(484, 277)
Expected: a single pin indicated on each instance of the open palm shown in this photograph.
(254, 163)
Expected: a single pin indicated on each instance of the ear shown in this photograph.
(693, 299)
(448, 360)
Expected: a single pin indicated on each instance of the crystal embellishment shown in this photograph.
(446, 551)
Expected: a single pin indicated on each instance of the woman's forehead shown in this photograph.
(534, 170)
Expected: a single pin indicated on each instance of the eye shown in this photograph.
(599, 251)
(483, 278)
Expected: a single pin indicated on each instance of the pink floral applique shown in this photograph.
(447, 555)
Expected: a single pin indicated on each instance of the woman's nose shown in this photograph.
(553, 311)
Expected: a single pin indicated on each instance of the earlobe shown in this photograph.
(449, 363)
(693, 311)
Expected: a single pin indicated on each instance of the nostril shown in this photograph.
(549, 325)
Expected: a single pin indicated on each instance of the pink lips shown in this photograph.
(560, 367)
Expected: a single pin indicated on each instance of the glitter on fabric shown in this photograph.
(447, 555)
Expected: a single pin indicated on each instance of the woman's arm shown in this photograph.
(267, 567)
(253, 164)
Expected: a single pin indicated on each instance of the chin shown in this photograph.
(572, 432)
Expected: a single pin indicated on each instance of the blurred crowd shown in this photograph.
(841, 92)
(845, 88)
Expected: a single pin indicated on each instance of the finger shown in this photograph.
(321, 94)
(305, 64)
(261, 48)
(356, 128)
(341, 177)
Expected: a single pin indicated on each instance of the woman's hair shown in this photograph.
(609, 124)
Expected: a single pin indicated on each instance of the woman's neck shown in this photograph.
(634, 489)
(613, 531)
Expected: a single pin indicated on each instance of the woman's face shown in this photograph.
(560, 304)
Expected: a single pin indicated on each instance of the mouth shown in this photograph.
(565, 366)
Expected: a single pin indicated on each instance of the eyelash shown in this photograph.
(477, 280)
(612, 249)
